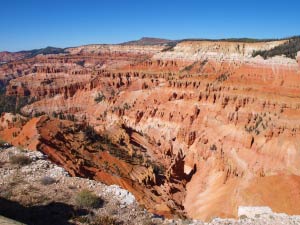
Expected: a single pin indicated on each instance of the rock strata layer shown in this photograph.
(196, 130)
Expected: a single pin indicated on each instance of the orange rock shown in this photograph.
(216, 127)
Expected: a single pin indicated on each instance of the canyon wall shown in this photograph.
(221, 126)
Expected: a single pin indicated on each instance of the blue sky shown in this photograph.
(28, 24)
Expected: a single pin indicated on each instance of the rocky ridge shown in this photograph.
(117, 200)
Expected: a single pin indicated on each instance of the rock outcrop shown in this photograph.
(200, 128)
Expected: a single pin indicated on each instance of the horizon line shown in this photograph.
(232, 39)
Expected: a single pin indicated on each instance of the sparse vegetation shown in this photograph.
(189, 67)
(98, 220)
(243, 40)
(103, 142)
(63, 116)
(126, 106)
(258, 125)
(289, 49)
(100, 97)
(243, 217)
(88, 199)
(148, 221)
(213, 147)
(4, 144)
(80, 63)
(90, 134)
(45, 51)
(106, 220)
(21, 160)
(46, 180)
(169, 47)
(222, 77)
(37, 114)
(158, 169)
(13, 104)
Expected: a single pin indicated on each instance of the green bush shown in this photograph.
(21, 160)
(88, 199)
(90, 134)
(4, 144)
(99, 98)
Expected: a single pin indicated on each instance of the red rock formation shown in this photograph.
(119, 159)
(223, 127)
(12, 56)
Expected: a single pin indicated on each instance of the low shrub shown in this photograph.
(243, 217)
(100, 97)
(21, 160)
(106, 220)
(148, 221)
(88, 199)
(98, 220)
(90, 134)
(47, 180)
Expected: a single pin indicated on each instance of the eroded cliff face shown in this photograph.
(196, 130)
(10, 56)
(197, 50)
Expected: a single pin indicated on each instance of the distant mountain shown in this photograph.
(243, 40)
(149, 41)
(12, 56)
(290, 48)
(46, 51)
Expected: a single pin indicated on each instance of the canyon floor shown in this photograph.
(193, 128)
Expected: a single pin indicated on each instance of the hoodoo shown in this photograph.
(193, 128)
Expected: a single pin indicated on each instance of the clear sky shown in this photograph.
(28, 24)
